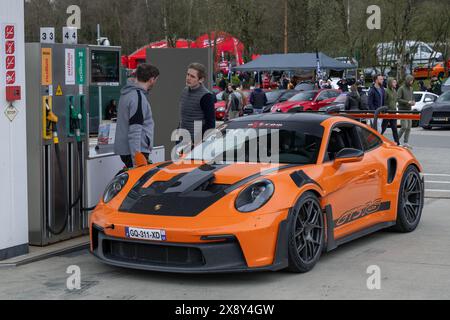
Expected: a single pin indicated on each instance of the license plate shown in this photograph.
(145, 234)
(440, 119)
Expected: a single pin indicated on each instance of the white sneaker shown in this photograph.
(407, 146)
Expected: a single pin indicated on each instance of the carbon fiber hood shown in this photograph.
(186, 194)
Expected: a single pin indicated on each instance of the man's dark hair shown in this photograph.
(146, 71)
(201, 69)
(375, 77)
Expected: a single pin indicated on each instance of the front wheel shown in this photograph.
(306, 234)
(410, 201)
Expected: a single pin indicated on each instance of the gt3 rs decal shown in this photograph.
(362, 211)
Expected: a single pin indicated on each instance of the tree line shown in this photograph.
(335, 27)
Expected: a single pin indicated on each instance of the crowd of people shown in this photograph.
(135, 125)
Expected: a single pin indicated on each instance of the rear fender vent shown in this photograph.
(392, 170)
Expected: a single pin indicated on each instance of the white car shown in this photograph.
(422, 99)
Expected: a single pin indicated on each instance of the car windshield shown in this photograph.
(287, 95)
(273, 96)
(418, 97)
(444, 98)
(304, 96)
(261, 142)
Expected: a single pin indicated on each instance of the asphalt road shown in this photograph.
(412, 266)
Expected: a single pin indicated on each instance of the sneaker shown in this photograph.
(407, 146)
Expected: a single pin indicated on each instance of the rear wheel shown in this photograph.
(306, 234)
(410, 201)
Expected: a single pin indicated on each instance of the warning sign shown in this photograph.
(10, 47)
(8, 42)
(10, 62)
(10, 77)
(59, 91)
(10, 32)
(47, 69)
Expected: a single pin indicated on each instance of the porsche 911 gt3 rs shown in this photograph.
(335, 180)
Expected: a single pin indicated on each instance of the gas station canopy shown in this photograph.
(294, 61)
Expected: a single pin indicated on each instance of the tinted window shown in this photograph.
(342, 137)
(273, 96)
(369, 140)
(304, 96)
(418, 97)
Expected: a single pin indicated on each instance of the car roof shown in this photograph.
(314, 118)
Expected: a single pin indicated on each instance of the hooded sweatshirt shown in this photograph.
(391, 96)
(135, 125)
(405, 95)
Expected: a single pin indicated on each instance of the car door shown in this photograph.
(353, 188)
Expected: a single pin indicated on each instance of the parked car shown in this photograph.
(423, 98)
(421, 52)
(274, 97)
(426, 71)
(308, 100)
(437, 114)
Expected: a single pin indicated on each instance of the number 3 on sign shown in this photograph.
(48, 35)
(70, 35)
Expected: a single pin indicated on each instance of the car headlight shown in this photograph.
(114, 187)
(221, 110)
(255, 196)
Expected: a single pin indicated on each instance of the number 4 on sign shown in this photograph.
(70, 35)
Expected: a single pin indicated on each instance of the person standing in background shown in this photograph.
(405, 103)
(197, 102)
(391, 103)
(135, 125)
(377, 98)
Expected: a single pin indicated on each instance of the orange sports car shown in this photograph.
(266, 192)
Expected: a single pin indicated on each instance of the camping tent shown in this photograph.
(294, 61)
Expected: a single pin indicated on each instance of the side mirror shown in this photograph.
(349, 156)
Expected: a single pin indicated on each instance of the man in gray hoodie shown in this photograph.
(135, 125)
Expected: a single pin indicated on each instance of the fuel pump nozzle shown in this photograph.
(75, 118)
(52, 121)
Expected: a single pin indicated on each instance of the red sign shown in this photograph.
(9, 32)
(10, 47)
(10, 62)
(10, 77)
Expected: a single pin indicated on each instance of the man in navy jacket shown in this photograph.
(377, 96)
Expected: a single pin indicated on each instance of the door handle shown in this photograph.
(373, 173)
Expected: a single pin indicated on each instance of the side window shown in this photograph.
(334, 94)
(322, 96)
(369, 140)
(432, 98)
(342, 137)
